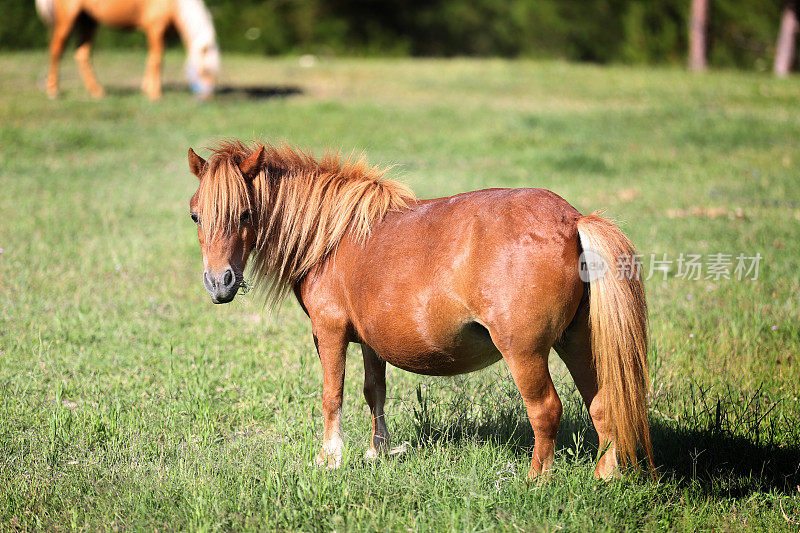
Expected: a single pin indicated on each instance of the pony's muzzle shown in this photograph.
(221, 286)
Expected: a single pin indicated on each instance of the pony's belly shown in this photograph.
(468, 350)
(445, 363)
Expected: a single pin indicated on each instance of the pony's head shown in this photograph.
(223, 210)
(283, 209)
(197, 30)
(202, 68)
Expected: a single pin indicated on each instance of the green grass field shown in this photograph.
(129, 401)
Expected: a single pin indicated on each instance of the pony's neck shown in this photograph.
(307, 210)
(195, 26)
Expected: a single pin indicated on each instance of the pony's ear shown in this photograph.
(196, 164)
(251, 166)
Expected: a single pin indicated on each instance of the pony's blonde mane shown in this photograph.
(302, 207)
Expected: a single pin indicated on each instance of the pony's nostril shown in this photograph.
(228, 278)
(208, 282)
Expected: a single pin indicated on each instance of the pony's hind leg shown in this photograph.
(151, 84)
(87, 28)
(532, 377)
(575, 350)
(375, 394)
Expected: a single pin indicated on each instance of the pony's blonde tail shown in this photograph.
(618, 321)
(46, 11)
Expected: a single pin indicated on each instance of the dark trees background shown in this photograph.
(740, 33)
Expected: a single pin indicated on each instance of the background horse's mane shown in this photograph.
(303, 206)
(46, 11)
(195, 19)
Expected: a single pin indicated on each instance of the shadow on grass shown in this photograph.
(713, 461)
(258, 92)
(223, 92)
(723, 464)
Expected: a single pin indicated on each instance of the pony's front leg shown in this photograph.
(332, 350)
(375, 394)
(83, 56)
(151, 84)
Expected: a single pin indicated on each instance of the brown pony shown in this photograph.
(154, 18)
(437, 287)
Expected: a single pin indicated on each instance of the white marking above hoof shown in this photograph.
(371, 454)
(400, 450)
(331, 461)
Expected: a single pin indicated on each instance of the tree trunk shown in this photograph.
(784, 49)
(698, 22)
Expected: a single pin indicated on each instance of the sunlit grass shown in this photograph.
(128, 400)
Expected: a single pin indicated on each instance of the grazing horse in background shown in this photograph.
(437, 287)
(154, 17)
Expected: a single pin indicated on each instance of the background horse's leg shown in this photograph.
(530, 373)
(65, 16)
(151, 84)
(332, 350)
(86, 31)
(575, 350)
(375, 394)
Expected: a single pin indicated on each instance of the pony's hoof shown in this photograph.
(379, 448)
(539, 478)
(400, 450)
(52, 94)
(607, 467)
(606, 474)
(151, 93)
(98, 94)
(329, 461)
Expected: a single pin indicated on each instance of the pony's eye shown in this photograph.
(245, 217)
(195, 218)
